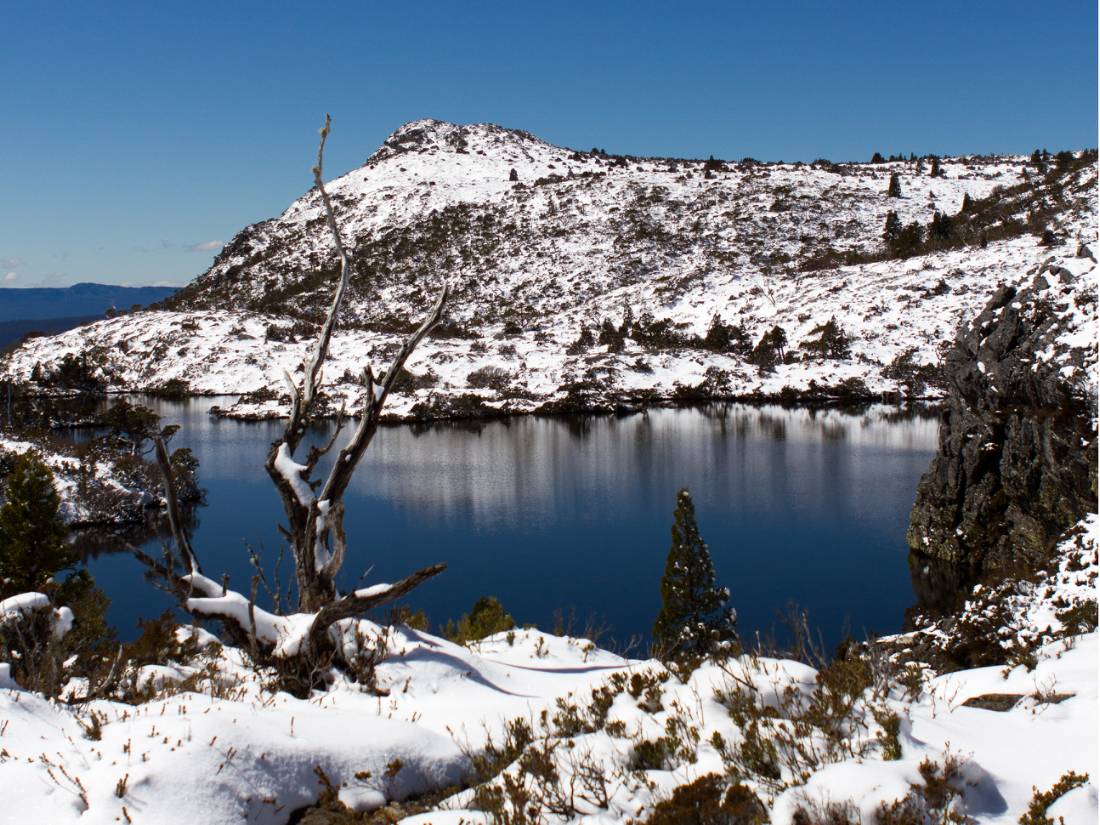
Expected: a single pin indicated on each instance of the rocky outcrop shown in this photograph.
(1016, 465)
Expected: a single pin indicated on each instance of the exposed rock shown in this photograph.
(1016, 465)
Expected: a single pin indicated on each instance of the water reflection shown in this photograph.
(575, 512)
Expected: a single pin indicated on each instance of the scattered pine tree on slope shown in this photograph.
(32, 532)
(694, 621)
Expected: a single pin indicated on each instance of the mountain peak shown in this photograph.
(429, 134)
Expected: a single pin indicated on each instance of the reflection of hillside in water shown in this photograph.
(525, 470)
(529, 470)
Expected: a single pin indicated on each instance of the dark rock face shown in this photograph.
(1016, 465)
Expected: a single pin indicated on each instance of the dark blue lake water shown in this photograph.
(573, 514)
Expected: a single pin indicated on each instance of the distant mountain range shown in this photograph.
(50, 310)
(78, 300)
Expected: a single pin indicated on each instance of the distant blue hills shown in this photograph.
(50, 310)
(78, 300)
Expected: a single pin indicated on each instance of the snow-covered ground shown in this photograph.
(621, 735)
(530, 264)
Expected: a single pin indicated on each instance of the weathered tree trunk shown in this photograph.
(315, 520)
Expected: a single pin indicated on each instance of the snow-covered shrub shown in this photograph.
(938, 799)
(709, 800)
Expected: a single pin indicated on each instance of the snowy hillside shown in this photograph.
(582, 238)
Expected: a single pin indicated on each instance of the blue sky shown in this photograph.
(137, 136)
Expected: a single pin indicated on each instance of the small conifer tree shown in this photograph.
(936, 172)
(513, 176)
(32, 532)
(627, 325)
(487, 617)
(718, 336)
(894, 191)
(892, 228)
(771, 349)
(610, 336)
(585, 341)
(832, 341)
(878, 158)
(694, 621)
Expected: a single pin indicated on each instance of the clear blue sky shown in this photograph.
(135, 136)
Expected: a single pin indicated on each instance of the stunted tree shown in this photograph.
(831, 342)
(894, 189)
(314, 507)
(770, 350)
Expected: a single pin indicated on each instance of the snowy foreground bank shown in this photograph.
(601, 739)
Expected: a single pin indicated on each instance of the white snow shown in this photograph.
(292, 472)
(21, 605)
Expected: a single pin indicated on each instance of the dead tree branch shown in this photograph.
(315, 522)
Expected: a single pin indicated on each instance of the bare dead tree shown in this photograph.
(316, 520)
(314, 508)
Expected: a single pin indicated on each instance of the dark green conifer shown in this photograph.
(695, 620)
(770, 350)
(627, 325)
(32, 532)
(892, 229)
(894, 190)
(718, 336)
(610, 336)
(936, 172)
(585, 341)
(832, 342)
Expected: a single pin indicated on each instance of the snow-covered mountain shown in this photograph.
(542, 243)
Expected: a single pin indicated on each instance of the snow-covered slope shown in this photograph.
(576, 239)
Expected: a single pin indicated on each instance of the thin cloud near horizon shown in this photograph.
(206, 246)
